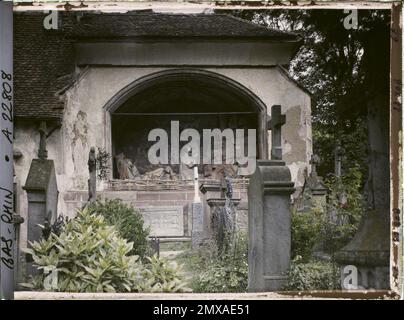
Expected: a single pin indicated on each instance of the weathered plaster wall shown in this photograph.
(84, 124)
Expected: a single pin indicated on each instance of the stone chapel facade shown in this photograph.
(105, 80)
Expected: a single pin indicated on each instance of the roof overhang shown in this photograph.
(185, 53)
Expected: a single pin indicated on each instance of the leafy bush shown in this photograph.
(162, 275)
(90, 256)
(213, 272)
(315, 275)
(128, 221)
(305, 231)
(330, 229)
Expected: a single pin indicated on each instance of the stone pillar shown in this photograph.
(369, 250)
(197, 214)
(210, 190)
(214, 201)
(197, 225)
(269, 225)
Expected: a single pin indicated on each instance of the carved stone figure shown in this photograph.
(166, 173)
(133, 171)
(126, 169)
(186, 171)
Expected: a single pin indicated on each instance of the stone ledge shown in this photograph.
(289, 295)
(32, 295)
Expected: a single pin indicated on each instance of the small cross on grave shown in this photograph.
(275, 124)
(338, 159)
(314, 161)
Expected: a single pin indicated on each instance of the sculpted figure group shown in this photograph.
(127, 170)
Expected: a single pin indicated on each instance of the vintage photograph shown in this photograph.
(209, 150)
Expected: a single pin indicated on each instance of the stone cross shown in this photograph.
(92, 167)
(314, 161)
(42, 152)
(275, 124)
(338, 160)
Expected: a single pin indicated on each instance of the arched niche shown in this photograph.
(195, 98)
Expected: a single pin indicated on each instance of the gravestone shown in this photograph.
(269, 216)
(314, 195)
(164, 221)
(42, 194)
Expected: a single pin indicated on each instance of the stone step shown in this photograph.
(174, 246)
(171, 255)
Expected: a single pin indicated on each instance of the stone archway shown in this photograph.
(191, 96)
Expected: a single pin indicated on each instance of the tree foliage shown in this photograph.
(128, 221)
(344, 69)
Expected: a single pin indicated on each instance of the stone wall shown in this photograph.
(154, 203)
(85, 124)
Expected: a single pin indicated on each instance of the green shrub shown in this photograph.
(162, 275)
(330, 229)
(213, 272)
(305, 231)
(90, 256)
(128, 221)
(315, 275)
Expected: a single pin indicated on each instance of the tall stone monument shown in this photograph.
(42, 194)
(369, 250)
(269, 216)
